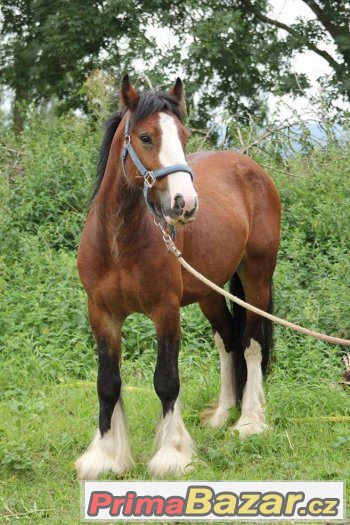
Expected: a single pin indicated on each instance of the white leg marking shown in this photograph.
(252, 420)
(174, 444)
(171, 152)
(108, 452)
(218, 415)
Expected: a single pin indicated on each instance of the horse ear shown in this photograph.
(129, 94)
(178, 92)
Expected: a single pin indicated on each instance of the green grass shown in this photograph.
(46, 426)
(48, 409)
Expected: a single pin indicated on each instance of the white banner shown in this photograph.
(217, 500)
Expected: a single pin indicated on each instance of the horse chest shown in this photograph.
(134, 289)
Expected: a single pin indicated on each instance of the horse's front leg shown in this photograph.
(174, 444)
(109, 450)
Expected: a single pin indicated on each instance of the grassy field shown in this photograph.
(49, 407)
(47, 426)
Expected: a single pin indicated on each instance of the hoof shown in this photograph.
(175, 447)
(90, 465)
(249, 427)
(101, 456)
(215, 416)
(108, 452)
(170, 461)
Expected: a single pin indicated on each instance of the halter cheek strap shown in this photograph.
(150, 177)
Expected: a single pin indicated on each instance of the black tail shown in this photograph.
(239, 322)
(239, 315)
(267, 351)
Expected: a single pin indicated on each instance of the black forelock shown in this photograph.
(151, 102)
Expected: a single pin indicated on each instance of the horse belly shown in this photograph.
(215, 249)
(215, 242)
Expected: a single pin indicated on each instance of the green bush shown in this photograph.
(45, 197)
(50, 200)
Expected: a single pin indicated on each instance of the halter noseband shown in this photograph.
(149, 177)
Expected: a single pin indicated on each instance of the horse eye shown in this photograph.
(145, 139)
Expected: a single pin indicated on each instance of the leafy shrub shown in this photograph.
(51, 199)
(43, 327)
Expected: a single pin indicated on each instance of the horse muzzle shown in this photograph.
(184, 209)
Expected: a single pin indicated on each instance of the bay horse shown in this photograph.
(125, 268)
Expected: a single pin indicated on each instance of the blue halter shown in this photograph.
(149, 177)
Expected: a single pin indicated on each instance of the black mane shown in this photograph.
(110, 128)
(149, 103)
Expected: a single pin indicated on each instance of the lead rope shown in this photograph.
(170, 245)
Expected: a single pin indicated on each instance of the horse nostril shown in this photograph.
(179, 201)
(188, 214)
(179, 205)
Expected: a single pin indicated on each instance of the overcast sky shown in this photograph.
(308, 62)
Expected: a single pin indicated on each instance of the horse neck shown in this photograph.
(120, 205)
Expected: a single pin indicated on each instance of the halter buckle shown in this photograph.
(127, 139)
(149, 179)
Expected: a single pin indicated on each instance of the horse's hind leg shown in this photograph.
(216, 311)
(255, 345)
(109, 449)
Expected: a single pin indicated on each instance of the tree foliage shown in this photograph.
(238, 53)
(233, 52)
(48, 48)
(331, 25)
